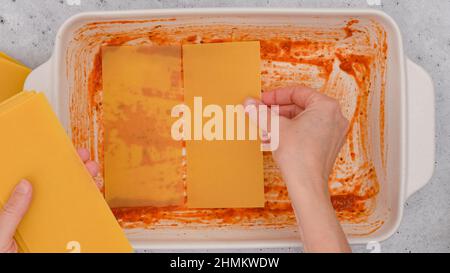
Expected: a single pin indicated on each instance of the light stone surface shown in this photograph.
(28, 29)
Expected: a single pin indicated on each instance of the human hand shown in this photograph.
(15, 208)
(312, 130)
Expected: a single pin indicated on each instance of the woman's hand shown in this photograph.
(15, 208)
(312, 132)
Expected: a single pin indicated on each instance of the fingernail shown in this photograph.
(23, 187)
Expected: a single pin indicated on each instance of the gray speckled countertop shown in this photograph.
(28, 29)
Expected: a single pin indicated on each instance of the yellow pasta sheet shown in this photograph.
(67, 211)
(143, 163)
(12, 76)
(228, 173)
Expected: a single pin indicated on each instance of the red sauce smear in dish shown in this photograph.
(353, 204)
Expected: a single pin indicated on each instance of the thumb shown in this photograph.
(13, 211)
(272, 112)
(269, 122)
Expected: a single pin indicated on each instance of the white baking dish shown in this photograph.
(409, 120)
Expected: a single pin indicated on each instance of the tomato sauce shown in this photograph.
(322, 63)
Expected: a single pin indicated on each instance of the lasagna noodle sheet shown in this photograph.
(223, 174)
(67, 211)
(12, 76)
(143, 163)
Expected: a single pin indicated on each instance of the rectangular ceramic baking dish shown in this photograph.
(409, 114)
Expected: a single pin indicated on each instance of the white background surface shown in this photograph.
(28, 29)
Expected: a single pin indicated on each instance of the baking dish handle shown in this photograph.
(421, 127)
(40, 80)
